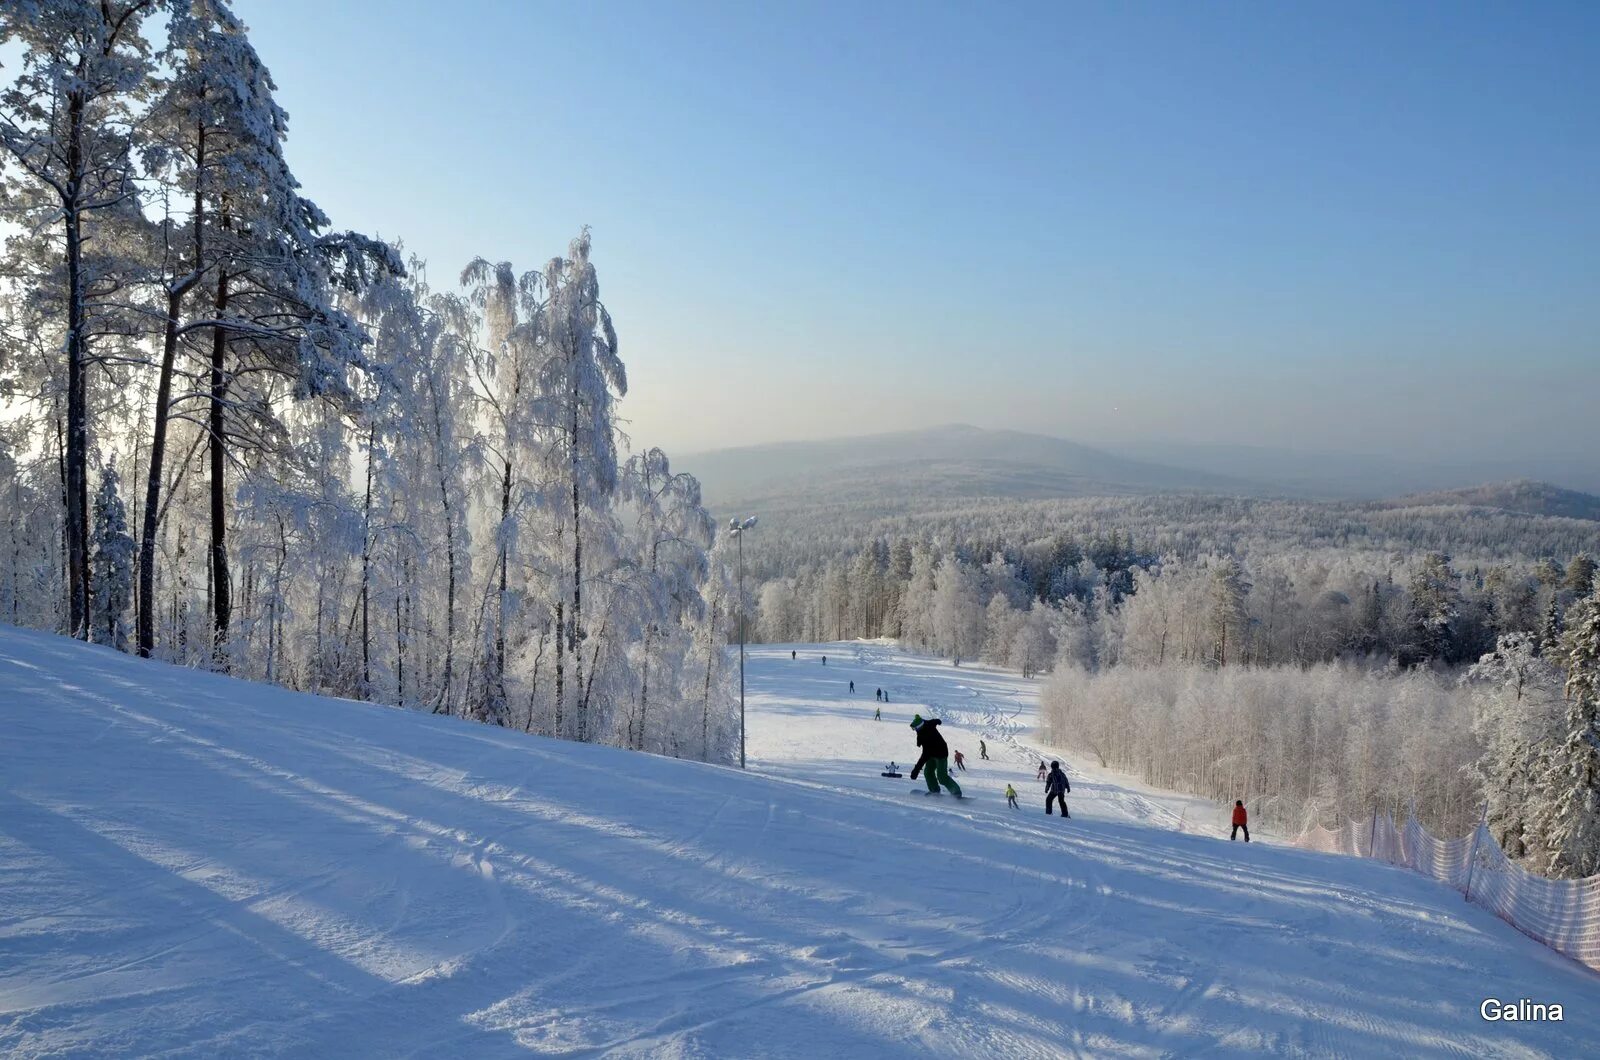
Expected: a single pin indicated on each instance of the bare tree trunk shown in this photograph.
(402, 618)
(500, 623)
(158, 444)
(366, 571)
(577, 572)
(533, 689)
(222, 595)
(561, 667)
(443, 701)
(705, 702)
(77, 447)
(66, 552)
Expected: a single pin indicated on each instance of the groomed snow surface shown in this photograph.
(195, 866)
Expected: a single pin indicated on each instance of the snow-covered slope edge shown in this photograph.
(196, 866)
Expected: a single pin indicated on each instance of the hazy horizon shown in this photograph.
(1357, 229)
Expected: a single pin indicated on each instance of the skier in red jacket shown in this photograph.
(1240, 820)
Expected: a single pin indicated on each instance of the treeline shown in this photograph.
(1186, 526)
(306, 465)
(1105, 602)
(1516, 737)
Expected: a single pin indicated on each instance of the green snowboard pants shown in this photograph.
(937, 772)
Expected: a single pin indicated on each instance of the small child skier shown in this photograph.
(1011, 797)
(961, 762)
(1241, 819)
(877, 714)
(1041, 769)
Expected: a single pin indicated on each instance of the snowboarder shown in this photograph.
(1241, 819)
(892, 771)
(983, 750)
(1056, 788)
(852, 688)
(877, 714)
(1041, 769)
(935, 756)
(961, 763)
(1011, 797)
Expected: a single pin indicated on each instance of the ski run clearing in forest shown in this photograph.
(196, 866)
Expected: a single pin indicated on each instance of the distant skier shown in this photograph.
(1241, 819)
(935, 756)
(983, 750)
(1041, 769)
(824, 660)
(791, 653)
(852, 688)
(886, 696)
(877, 714)
(1056, 787)
(1011, 797)
(878, 694)
(961, 763)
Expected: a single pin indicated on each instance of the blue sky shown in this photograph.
(1359, 227)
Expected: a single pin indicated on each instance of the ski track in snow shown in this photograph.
(192, 866)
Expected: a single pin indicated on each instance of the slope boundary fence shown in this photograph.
(1562, 914)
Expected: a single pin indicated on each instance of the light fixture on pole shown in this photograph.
(737, 529)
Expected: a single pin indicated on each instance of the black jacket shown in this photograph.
(1056, 783)
(932, 744)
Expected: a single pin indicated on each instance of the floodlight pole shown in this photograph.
(741, 651)
(737, 528)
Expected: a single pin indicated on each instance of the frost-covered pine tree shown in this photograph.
(1550, 632)
(1517, 717)
(111, 564)
(1229, 619)
(263, 254)
(1435, 609)
(1570, 816)
(1580, 574)
(66, 128)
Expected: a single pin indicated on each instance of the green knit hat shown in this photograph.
(916, 722)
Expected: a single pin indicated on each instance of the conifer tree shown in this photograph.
(1570, 816)
(111, 564)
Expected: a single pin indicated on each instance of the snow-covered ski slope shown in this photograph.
(194, 866)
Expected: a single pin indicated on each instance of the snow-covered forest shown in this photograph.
(1253, 658)
(235, 437)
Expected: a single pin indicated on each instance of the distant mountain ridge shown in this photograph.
(1520, 495)
(951, 462)
(915, 470)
